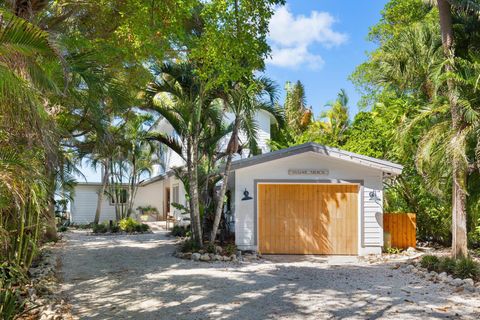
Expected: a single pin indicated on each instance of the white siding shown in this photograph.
(85, 199)
(370, 218)
(84, 205)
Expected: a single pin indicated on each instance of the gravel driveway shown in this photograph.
(136, 277)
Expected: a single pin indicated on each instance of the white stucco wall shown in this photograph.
(151, 195)
(370, 218)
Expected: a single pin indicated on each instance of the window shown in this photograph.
(121, 195)
(175, 194)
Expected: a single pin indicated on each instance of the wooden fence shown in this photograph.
(402, 228)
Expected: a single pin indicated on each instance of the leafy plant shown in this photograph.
(11, 278)
(230, 249)
(189, 246)
(447, 264)
(210, 248)
(11, 303)
(179, 231)
(114, 228)
(391, 250)
(467, 268)
(62, 228)
(99, 228)
(430, 262)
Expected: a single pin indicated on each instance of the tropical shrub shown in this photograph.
(210, 248)
(430, 262)
(230, 249)
(99, 228)
(467, 268)
(114, 228)
(131, 225)
(189, 246)
(128, 224)
(179, 231)
(447, 264)
(11, 302)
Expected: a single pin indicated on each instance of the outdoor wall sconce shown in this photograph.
(373, 196)
(246, 195)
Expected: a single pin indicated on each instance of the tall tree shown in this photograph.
(181, 97)
(244, 101)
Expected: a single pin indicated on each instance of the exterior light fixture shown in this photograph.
(246, 195)
(373, 196)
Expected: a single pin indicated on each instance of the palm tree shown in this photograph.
(458, 139)
(244, 101)
(181, 98)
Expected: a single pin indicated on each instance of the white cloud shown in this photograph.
(291, 37)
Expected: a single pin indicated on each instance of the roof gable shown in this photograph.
(382, 165)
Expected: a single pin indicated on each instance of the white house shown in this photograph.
(307, 199)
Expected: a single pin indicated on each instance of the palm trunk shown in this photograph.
(101, 192)
(192, 162)
(232, 147)
(459, 195)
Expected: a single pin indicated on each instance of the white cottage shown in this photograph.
(310, 199)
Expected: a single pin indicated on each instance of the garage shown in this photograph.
(308, 218)
(309, 199)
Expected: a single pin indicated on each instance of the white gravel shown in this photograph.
(136, 277)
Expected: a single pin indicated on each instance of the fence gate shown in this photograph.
(402, 228)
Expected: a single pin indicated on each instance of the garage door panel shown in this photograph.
(308, 218)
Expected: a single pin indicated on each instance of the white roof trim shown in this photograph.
(378, 164)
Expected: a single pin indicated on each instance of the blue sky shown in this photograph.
(320, 42)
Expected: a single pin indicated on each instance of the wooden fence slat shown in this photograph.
(402, 228)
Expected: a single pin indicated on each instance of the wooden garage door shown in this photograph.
(308, 218)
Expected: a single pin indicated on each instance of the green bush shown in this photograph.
(230, 249)
(144, 227)
(178, 231)
(189, 246)
(210, 248)
(128, 225)
(430, 262)
(114, 228)
(447, 265)
(99, 228)
(62, 228)
(474, 239)
(11, 302)
(467, 268)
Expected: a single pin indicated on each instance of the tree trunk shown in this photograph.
(232, 147)
(192, 163)
(101, 192)
(459, 211)
(459, 195)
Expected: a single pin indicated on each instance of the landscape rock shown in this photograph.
(217, 257)
(469, 282)
(218, 250)
(457, 282)
(411, 250)
(443, 276)
(205, 257)
(187, 255)
(233, 258)
(196, 256)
